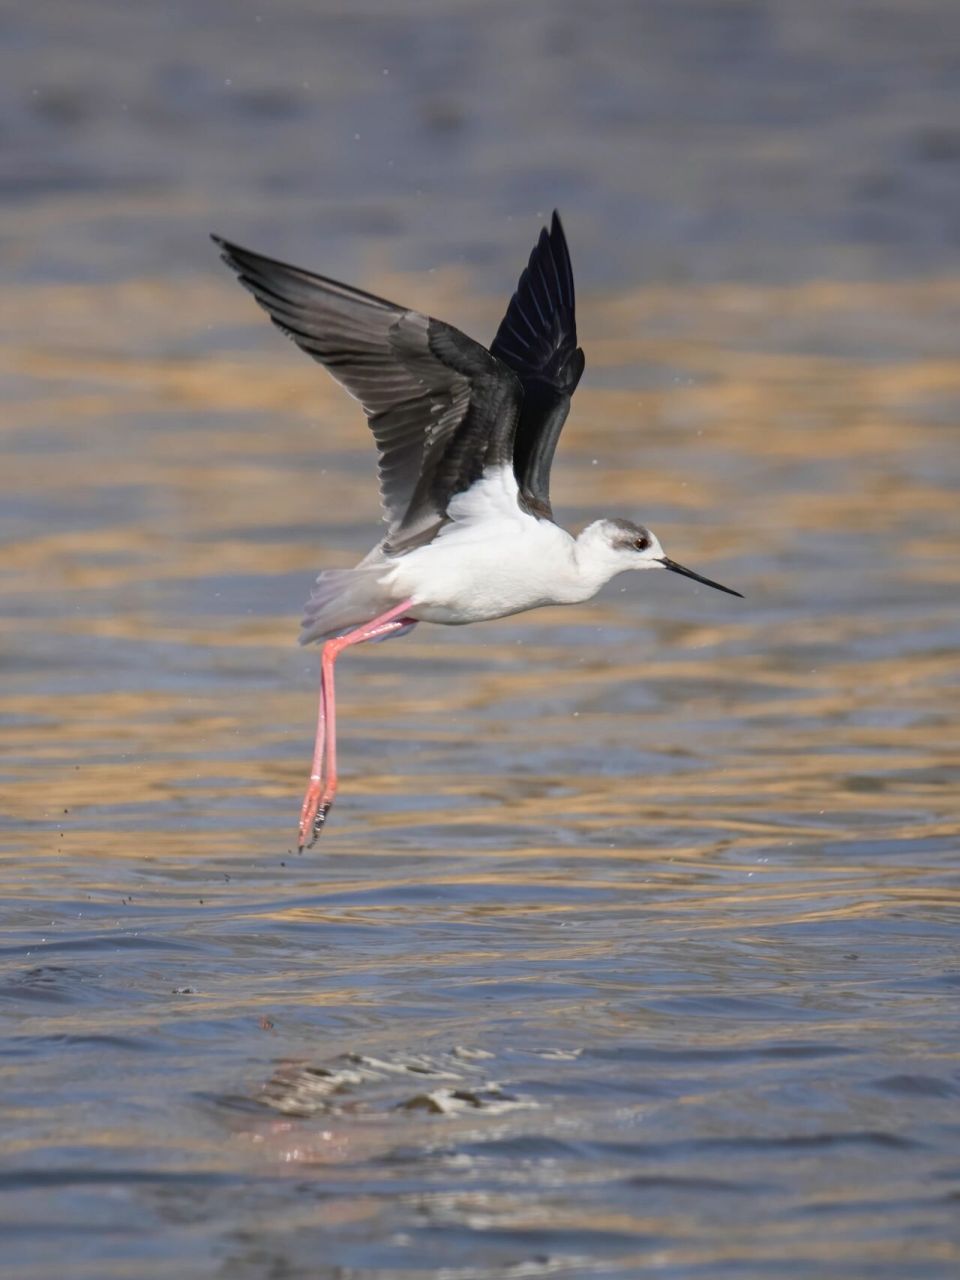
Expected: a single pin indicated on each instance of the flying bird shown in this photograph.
(466, 437)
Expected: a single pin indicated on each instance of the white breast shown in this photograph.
(491, 560)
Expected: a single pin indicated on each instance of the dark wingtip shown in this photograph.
(228, 251)
(557, 233)
(561, 258)
(236, 256)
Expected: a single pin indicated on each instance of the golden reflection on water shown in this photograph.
(664, 886)
(771, 461)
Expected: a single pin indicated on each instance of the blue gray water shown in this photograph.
(631, 946)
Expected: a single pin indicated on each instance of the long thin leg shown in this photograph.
(323, 774)
(311, 800)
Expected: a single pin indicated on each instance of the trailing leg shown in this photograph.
(322, 787)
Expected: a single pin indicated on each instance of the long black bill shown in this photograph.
(688, 573)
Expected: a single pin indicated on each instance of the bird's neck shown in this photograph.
(591, 569)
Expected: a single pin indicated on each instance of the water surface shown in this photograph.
(631, 946)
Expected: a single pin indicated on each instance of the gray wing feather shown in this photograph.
(439, 405)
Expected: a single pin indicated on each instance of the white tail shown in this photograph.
(342, 598)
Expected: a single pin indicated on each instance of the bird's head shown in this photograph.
(610, 546)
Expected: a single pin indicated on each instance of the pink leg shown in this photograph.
(311, 801)
(323, 773)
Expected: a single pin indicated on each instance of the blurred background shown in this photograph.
(631, 944)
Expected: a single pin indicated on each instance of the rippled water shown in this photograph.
(631, 946)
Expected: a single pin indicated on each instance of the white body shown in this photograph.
(491, 559)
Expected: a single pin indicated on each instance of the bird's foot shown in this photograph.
(320, 819)
(313, 815)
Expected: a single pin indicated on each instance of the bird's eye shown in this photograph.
(642, 543)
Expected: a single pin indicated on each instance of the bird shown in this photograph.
(465, 436)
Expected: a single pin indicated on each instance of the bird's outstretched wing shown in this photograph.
(537, 339)
(441, 408)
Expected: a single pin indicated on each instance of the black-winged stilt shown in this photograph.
(466, 438)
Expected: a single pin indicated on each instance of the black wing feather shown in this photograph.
(537, 339)
(441, 408)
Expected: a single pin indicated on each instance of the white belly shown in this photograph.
(488, 564)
